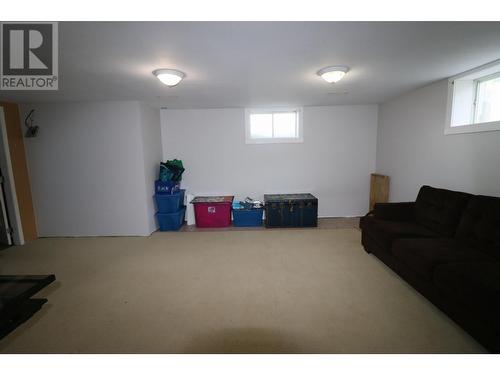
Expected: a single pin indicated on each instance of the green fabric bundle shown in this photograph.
(171, 170)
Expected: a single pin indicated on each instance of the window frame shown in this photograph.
(297, 110)
(477, 84)
(479, 74)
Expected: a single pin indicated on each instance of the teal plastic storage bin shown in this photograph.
(248, 218)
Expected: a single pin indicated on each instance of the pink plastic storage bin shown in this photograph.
(212, 212)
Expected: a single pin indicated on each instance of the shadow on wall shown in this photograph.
(241, 341)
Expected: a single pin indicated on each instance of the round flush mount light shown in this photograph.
(333, 74)
(169, 77)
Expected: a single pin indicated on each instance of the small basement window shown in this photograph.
(474, 100)
(273, 125)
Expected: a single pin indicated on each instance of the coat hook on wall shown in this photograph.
(32, 130)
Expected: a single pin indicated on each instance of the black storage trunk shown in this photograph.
(291, 210)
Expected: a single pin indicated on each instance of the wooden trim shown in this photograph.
(20, 170)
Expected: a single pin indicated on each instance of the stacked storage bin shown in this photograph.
(170, 206)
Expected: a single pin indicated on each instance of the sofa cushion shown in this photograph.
(400, 211)
(384, 232)
(475, 284)
(440, 210)
(480, 224)
(423, 255)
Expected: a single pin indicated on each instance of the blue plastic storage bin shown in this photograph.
(167, 187)
(173, 221)
(248, 218)
(169, 203)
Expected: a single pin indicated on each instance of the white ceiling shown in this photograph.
(238, 64)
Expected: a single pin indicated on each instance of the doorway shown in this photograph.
(5, 227)
(11, 232)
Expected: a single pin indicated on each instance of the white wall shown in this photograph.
(333, 163)
(87, 169)
(413, 150)
(152, 154)
(92, 165)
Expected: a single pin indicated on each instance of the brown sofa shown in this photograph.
(446, 245)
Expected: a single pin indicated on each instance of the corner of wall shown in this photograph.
(150, 127)
(376, 140)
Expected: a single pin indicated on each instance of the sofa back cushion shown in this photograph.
(440, 210)
(480, 224)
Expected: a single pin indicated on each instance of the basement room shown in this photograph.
(249, 186)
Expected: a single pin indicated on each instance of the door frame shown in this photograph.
(4, 212)
(9, 185)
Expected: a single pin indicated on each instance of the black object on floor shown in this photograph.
(16, 306)
(291, 210)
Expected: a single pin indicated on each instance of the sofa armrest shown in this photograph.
(402, 211)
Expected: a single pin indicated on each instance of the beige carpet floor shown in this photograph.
(275, 291)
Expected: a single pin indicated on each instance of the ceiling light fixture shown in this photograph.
(169, 77)
(333, 74)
